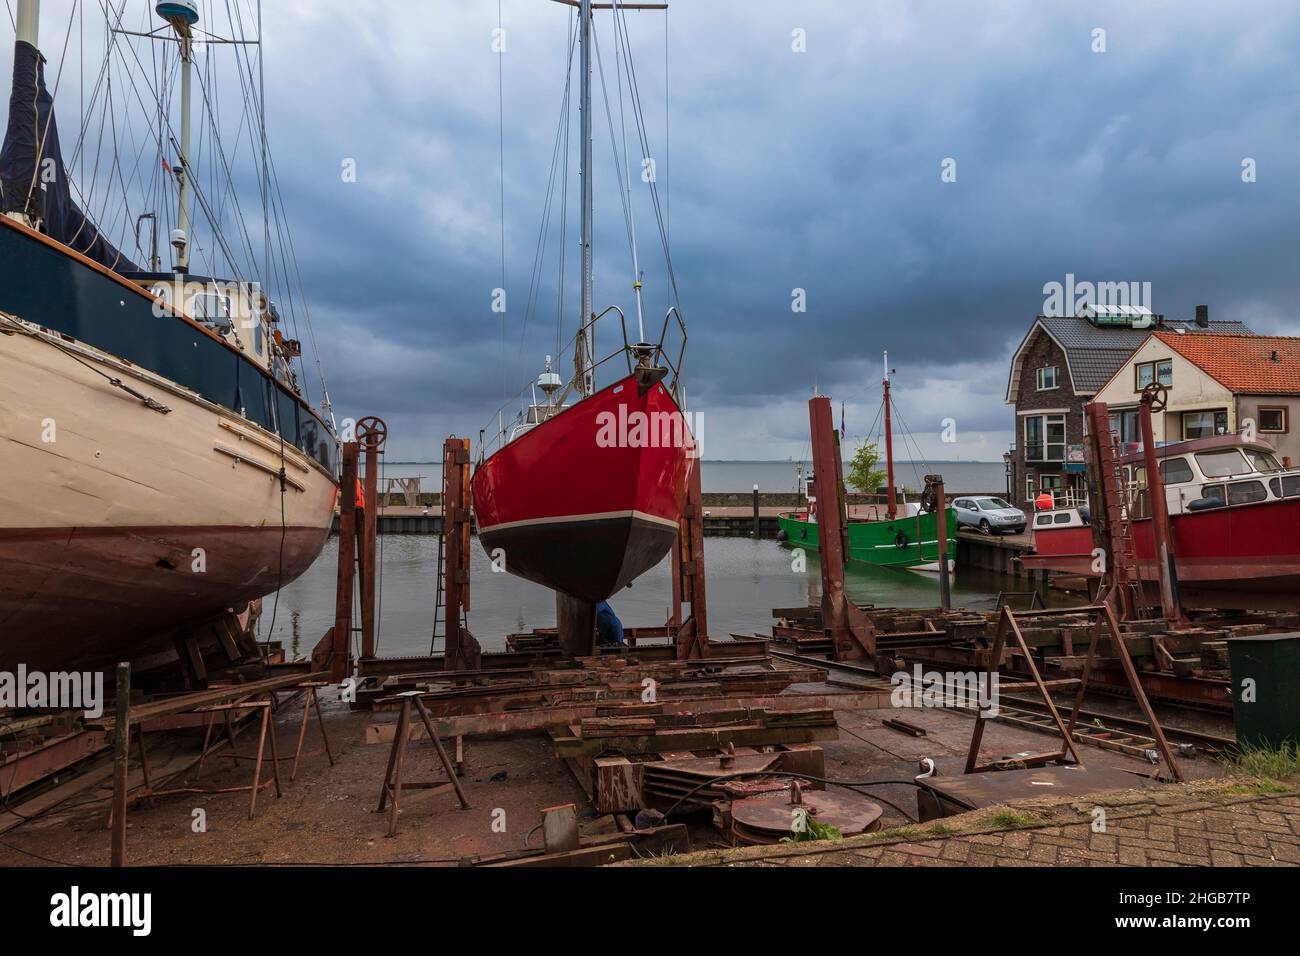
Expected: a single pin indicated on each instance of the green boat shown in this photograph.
(909, 539)
(905, 542)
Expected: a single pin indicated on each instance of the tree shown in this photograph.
(863, 474)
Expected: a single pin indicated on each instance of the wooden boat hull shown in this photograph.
(581, 515)
(120, 524)
(901, 543)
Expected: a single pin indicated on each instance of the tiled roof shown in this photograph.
(1243, 364)
(1094, 353)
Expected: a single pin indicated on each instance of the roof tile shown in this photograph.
(1268, 364)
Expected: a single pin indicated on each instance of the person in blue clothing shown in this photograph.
(609, 629)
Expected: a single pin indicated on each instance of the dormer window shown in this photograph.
(1049, 378)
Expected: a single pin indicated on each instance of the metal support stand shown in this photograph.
(391, 794)
(1103, 617)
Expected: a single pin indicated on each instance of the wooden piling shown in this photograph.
(121, 759)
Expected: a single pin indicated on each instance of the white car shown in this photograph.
(988, 514)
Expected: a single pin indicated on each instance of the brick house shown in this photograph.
(1058, 367)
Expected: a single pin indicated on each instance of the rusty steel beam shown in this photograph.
(373, 434)
(851, 631)
(340, 658)
(692, 637)
(462, 650)
(1164, 544)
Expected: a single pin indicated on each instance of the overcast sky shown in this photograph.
(817, 170)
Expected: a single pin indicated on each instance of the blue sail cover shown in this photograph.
(31, 138)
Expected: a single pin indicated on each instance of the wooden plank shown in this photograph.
(542, 718)
(584, 856)
(188, 702)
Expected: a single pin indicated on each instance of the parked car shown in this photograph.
(988, 514)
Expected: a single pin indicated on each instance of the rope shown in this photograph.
(147, 401)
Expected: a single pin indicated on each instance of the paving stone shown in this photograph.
(1245, 832)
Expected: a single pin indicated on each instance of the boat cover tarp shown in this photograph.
(32, 137)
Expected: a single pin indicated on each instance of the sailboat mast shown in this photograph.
(889, 444)
(585, 347)
(28, 21)
(183, 204)
(182, 15)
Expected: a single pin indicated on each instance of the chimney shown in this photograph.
(1203, 316)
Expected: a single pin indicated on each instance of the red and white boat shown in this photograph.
(1234, 516)
(587, 497)
(583, 496)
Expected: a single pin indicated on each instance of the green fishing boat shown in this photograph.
(897, 535)
(905, 542)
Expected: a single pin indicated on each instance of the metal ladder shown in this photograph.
(1125, 575)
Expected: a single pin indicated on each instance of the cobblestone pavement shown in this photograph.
(1192, 826)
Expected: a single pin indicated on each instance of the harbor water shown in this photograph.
(747, 578)
(971, 477)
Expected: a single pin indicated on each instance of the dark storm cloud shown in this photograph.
(816, 170)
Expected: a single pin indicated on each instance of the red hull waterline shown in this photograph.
(1241, 557)
(590, 499)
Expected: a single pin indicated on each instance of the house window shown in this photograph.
(1049, 378)
(1029, 488)
(1044, 438)
(1272, 419)
(1126, 425)
(1205, 424)
(1148, 372)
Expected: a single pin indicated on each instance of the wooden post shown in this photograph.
(121, 761)
(462, 650)
(339, 666)
(757, 525)
(941, 522)
(692, 639)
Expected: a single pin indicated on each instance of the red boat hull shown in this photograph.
(1245, 556)
(589, 500)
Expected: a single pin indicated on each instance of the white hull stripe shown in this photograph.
(910, 544)
(569, 519)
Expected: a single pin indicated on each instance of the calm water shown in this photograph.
(720, 476)
(746, 579)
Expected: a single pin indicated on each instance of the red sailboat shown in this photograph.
(583, 490)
